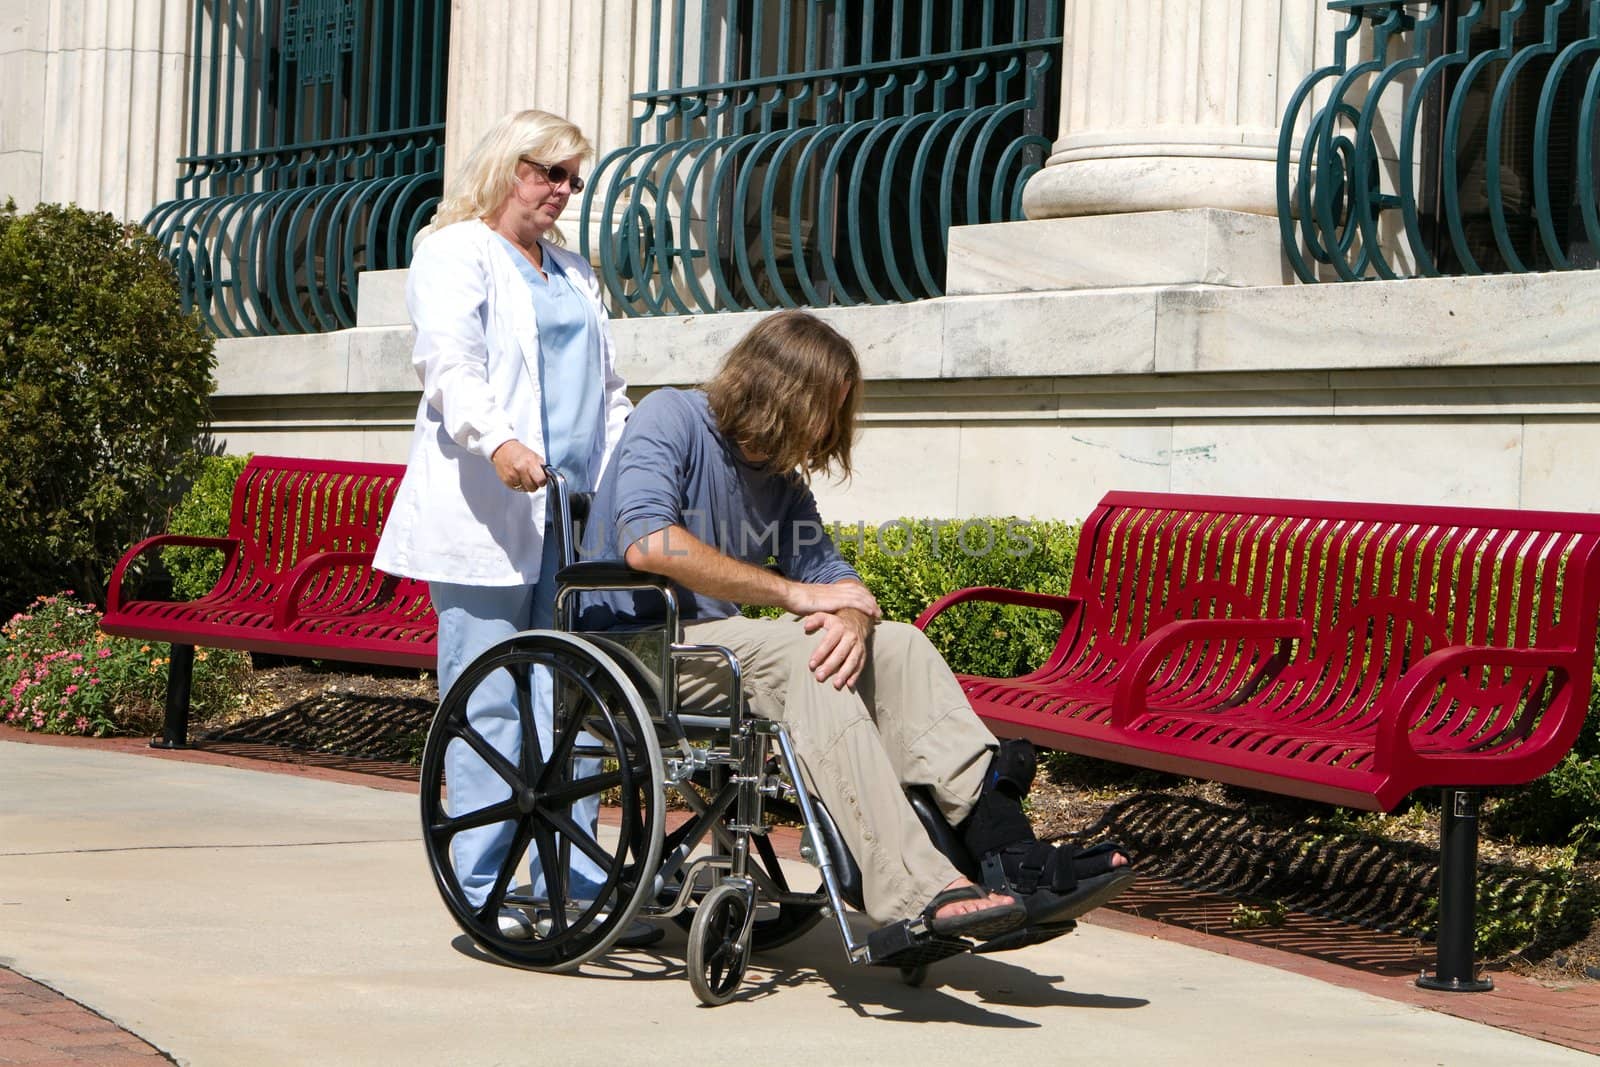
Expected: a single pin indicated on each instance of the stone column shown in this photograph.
(580, 61)
(1171, 104)
(95, 96)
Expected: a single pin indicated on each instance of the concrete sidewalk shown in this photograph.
(235, 917)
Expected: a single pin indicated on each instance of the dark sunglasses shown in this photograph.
(556, 174)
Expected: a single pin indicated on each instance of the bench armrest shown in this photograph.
(1131, 699)
(287, 607)
(1061, 605)
(227, 545)
(1539, 745)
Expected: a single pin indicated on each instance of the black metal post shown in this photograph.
(1458, 896)
(180, 673)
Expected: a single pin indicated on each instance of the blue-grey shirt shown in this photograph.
(673, 467)
(569, 369)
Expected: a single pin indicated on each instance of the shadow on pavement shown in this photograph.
(869, 992)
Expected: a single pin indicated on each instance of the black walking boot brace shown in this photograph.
(1055, 884)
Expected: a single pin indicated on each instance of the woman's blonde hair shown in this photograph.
(777, 394)
(485, 177)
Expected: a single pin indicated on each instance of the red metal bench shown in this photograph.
(1349, 653)
(297, 579)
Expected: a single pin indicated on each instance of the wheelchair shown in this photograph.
(618, 733)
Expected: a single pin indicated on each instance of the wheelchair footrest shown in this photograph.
(1027, 935)
(898, 945)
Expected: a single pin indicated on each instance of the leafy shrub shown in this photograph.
(1534, 914)
(60, 674)
(202, 512)
(1249, 917)
(911, 563)
(1563, 807)
(103, 387)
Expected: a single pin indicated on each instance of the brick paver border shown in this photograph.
(42, 1028)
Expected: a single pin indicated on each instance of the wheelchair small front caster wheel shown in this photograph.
(719, 943)
(914, 976)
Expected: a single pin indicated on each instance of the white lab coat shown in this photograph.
(477, 354)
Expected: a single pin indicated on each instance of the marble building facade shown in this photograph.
(1141, 331)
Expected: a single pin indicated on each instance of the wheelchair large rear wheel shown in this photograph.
(598, 743)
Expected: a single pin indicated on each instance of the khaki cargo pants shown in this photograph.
(906, 721)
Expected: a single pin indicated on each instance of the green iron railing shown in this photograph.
(316, 133)
(813, 152)
(1463, 143)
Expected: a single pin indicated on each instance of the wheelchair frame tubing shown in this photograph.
(856, 950)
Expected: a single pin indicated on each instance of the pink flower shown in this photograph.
(94, 681)
(104, 653)
(70, 690)
(82, 725)
(77, 672)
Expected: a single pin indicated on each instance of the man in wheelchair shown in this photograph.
(707, 487)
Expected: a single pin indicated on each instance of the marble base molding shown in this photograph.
(1202, 246)
(1034, 404)
(1160, 182)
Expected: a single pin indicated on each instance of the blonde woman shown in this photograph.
(517, 370)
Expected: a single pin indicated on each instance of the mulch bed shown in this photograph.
(1259, 866)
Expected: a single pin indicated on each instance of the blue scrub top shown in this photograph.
(569, 368)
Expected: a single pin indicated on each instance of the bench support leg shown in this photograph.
(1458, 896)
(180, 672)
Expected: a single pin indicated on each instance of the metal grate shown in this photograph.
(1464, 143)
(316, 145)
(813, 152)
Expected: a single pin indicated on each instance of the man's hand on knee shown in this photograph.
(842, 651)
(810, 598)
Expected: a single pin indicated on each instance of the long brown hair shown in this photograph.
(776, 394)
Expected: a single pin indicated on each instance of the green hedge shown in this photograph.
(203, 512)
(103, 387)
(1563, 807)
(911, 563)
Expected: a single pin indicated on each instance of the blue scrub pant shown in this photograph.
(471, 620)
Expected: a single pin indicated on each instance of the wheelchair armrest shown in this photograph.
(606, 574)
